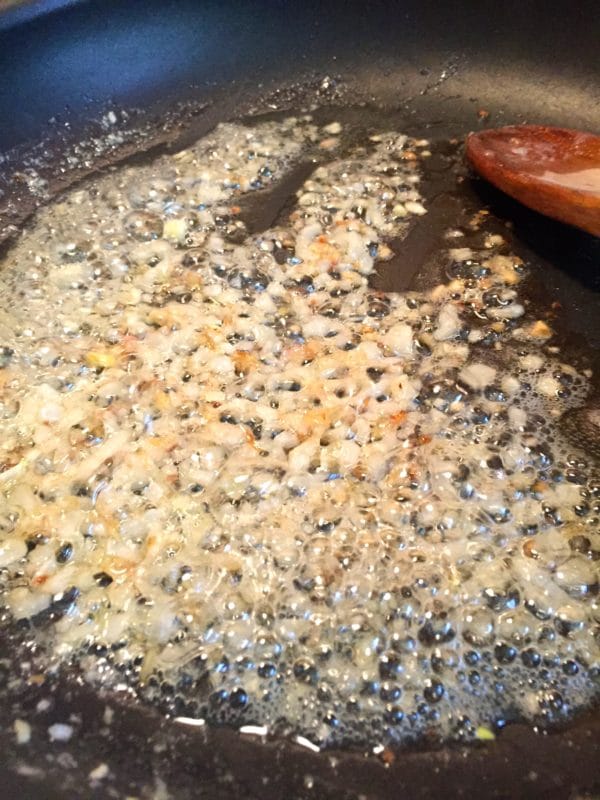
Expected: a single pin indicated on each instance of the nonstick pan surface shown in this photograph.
(179, 68)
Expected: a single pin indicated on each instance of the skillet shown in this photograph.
(179, 68)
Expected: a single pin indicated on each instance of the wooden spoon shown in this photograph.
(555, 171)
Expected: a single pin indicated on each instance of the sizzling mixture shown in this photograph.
(239, 481)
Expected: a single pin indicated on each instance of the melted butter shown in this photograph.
(259, 491)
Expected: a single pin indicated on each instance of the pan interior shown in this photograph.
(459, 644)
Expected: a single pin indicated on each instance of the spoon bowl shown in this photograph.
(555, 171)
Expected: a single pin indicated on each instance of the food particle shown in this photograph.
(60, 732)
(22, 731)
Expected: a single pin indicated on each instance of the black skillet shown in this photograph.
(434, 69)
